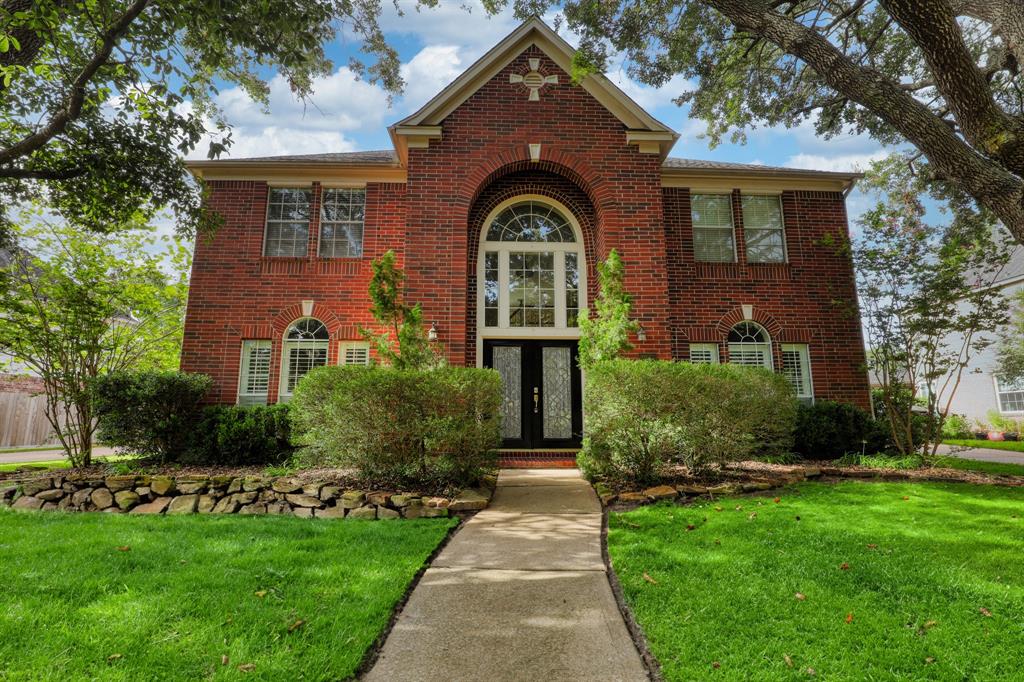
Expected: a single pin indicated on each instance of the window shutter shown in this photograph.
(796, 368)
(255, 373)
(355, 355)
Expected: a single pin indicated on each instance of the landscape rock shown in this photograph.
(632, 496)
(220, 482)
(157, 506)
(312, 489)
(278, 508)
(161, 485)
(235, 486)
(756, 485)
(403, 500)
(689, 489)
(286, 485)
(468, 500)
(49, 506)
(385, 513)
(414, 511)
(725, 489)
(226, 505)
(302, 500)
(50, 495)
(367, 512)
(662, 492)
(353, 499)
(328, 513)
(303, 512)
(28, 502)
(245, 498)
(116, 483)
(378, 497)
(253, 509)
(441, 502)
(206, 504)
(112, 510)
(143, 491)
(329, 492)
(126, 499)
(252, 483)
(64, 504)
(36, 485)
(102, 498)
(7, 492)
(434, 512)
(183, 504)
(192, 485)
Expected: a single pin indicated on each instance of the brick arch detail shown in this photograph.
(762, 317)
(294, 312)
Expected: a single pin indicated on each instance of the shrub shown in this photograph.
(956, 426)
(236, 436)
(828, 430)
(149, 413)
(643, 415)
(401, 425)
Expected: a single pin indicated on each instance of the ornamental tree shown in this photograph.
(101, 99)
(943, 76)
(78, 305)
(924, 302)
(606, 335)
(404, 343)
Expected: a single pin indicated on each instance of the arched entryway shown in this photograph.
(531, 284)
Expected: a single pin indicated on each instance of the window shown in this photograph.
(355, 353)
(749, 345)
(1010, 395)
(342, 212)
(254, 376)
(530, 269)
(287, 233)
(305, 347)
(713, 239)
(763, 229)
(704, 353)
(796, 367)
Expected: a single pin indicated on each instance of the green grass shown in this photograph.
(923, 561)
(47, 464)
(1011, 445)
(72, 606)
(996, 468)
(34, 448)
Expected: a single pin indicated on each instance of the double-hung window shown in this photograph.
(713, 238)
(254, 374)
(287, 231)
(1010, 395)
(704, 353)
(763, 229)
(342, 212)
(796, 367)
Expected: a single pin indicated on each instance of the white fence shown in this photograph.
(23, 420)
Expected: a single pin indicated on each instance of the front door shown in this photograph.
(541, 393)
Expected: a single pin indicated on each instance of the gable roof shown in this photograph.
(531, 32)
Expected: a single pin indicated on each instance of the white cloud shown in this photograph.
(449, 23)
(426, 74)
(839, 162)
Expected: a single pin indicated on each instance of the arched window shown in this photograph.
(305, 347)
(531, 268)
(749, 344)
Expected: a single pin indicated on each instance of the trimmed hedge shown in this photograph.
(405, 426)
(237, 436)
(149, 413)
(645, 415)
(828, 430)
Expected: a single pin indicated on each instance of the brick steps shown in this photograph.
(537, 459)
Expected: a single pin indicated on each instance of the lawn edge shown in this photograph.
(373, 651)
(636, 632)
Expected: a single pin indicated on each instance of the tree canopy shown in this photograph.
(101, 99)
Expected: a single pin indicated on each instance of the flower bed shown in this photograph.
(226, 494)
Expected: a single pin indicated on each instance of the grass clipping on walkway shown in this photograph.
(99, 596)
(848, 581)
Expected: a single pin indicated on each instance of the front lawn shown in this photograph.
(101, 596)
(1011, 445)
(857, 580)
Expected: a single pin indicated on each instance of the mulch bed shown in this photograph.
(830, 470)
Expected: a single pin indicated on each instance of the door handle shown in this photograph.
(536, 400)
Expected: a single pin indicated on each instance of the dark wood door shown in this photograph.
(542, 397)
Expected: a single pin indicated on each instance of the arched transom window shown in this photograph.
(530, 270)
(749, 344)
(305, 347)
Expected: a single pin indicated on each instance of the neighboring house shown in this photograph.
(500, 197)
(981, 391)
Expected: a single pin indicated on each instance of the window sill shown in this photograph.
(306, 265)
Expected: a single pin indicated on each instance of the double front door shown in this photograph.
(541, 392)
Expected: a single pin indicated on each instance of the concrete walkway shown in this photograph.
(983, 454)
(520, 593)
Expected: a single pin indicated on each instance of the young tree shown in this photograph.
(941, 75)
(100, 99)
(404, 344)
(606, 335)
(77, 305)
(924, 304)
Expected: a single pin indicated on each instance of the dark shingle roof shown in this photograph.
(369, 158)
(701, 165)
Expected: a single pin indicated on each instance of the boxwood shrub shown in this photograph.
(828, 430)
(405, 426)
(642, 416)
(238, 436)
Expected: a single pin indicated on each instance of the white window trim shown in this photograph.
(769, 362)
(999, 397)
(243, 373)
(283, 395)
(346, 346)
(804, 352)
(782, 220)
(711, 347)
(732, 227)
(309, 221)
(503, 331)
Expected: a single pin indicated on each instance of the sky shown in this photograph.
(435, 46)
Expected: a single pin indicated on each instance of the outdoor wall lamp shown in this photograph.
(432, 334)
(641, 334)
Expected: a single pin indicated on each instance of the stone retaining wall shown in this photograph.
(228, 495)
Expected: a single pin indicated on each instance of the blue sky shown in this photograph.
(435, 45)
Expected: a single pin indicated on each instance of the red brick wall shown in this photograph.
(433, 222)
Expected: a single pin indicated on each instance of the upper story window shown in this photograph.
(713, 239)
(342, 212)
(763, 230)
(287, 233)
(305, 347)
(749, 344)
(1010, 395)
(531, 268)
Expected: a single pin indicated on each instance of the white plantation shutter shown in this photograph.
(704, 353)
(796, 367)
(713, 239)
(355, 354)
(763, 229)
(749, 345)
(254, 376)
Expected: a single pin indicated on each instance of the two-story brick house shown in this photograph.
(500, 197)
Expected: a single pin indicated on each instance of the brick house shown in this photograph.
(500, 197)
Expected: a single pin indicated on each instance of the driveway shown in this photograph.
(44, 455)
(983, 454)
